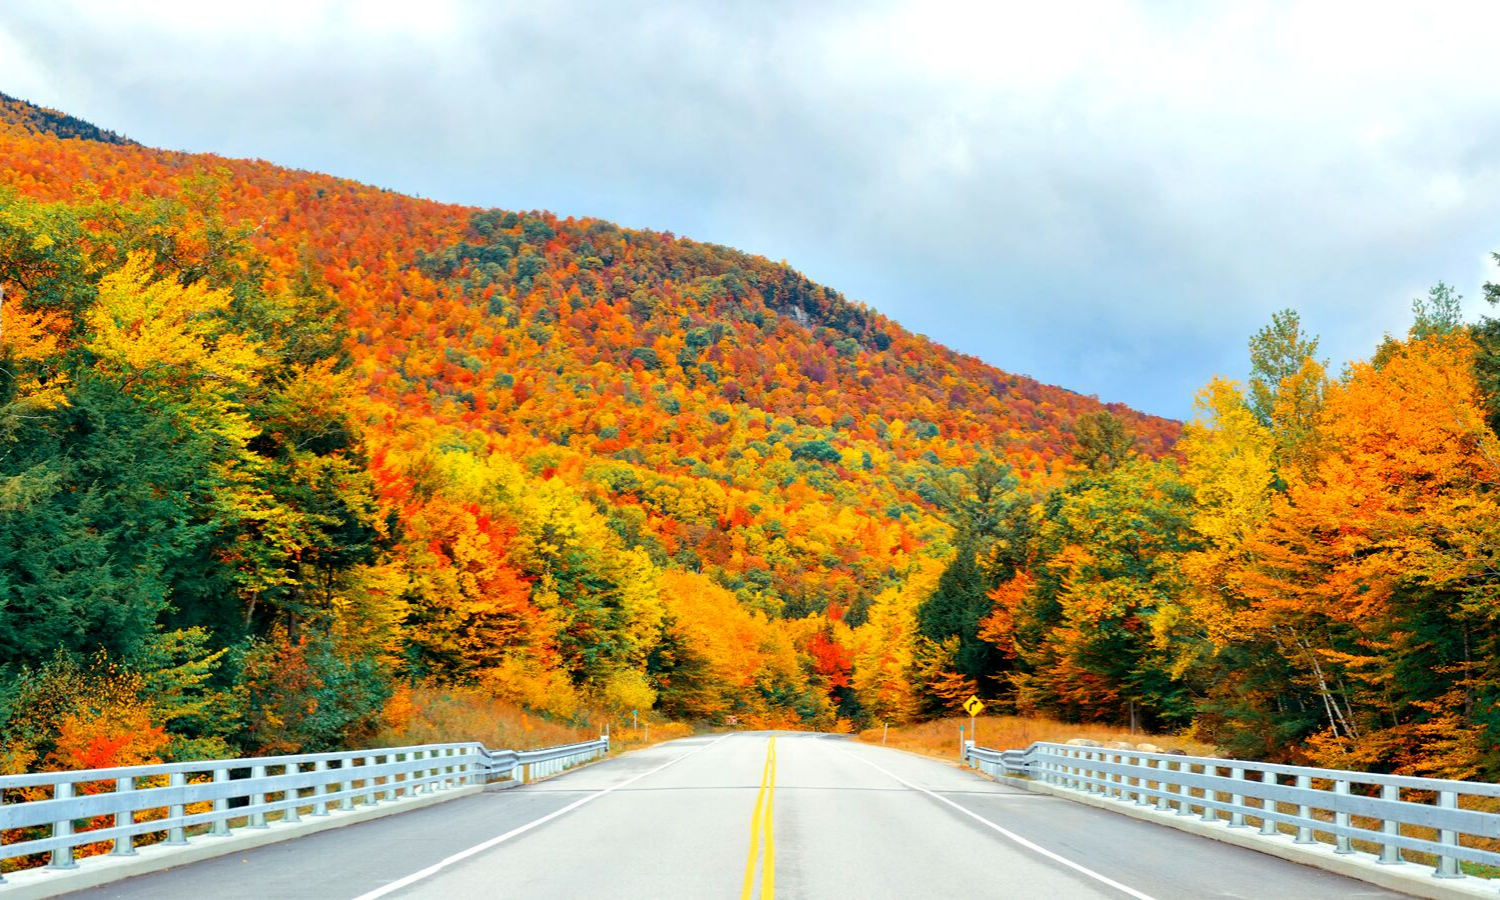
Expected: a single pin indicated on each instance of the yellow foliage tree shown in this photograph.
(885, 677)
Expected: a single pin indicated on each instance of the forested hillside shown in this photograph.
(283, 458)
(281, 448)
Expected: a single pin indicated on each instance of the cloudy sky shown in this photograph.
(1109, 197)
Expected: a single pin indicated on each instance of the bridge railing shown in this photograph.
(211, 797)
(1451, 821)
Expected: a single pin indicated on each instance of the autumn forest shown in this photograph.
(288, 460)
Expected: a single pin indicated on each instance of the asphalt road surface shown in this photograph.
(750, 815)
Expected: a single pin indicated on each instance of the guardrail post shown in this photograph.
(371, 782)
(1343, 844)
(177, 834)
(1162, 803)
(372, 796)
(1390, 853)
(1210, 814)
(258, 797)
(320, 807)
(1447, 866)
(62, 857)
(124, 846)
(220, 826)
(1304, 810)
(1184, 793)
(1237, 815)
(346, 784)
(418, 774)
(1268, 826)
(393, 779)
(291, 794)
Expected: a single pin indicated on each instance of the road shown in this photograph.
(750, 815)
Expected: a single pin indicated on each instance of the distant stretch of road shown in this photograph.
(750, 815)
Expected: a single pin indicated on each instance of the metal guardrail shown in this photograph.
(1389, 812)
(541, 763)
(211, 796)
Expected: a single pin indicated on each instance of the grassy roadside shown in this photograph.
(939, 737)
(432, 716)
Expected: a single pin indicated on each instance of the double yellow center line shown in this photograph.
(761, 833)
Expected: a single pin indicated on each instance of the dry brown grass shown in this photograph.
(940, 736)
(623, 737)
(433, 716)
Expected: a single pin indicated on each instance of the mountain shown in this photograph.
(596, 460)
(40, 120)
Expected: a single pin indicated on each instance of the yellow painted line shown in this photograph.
(761, 832)
(768, 874)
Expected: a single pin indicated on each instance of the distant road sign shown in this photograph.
(732, 720)
(973, 706)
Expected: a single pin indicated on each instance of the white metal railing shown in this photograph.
(1390, 813)
(173, 800)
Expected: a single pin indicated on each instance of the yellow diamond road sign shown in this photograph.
(973, 706)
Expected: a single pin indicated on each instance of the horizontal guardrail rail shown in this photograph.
(534, 764)
(55, 813)
(1390, 813)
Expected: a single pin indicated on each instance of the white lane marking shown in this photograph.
(1082, 870)
(462, 855)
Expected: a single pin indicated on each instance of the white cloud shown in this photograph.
(1107, 195)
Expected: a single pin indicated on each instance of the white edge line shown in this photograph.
(1081, 869)
(462, 855)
